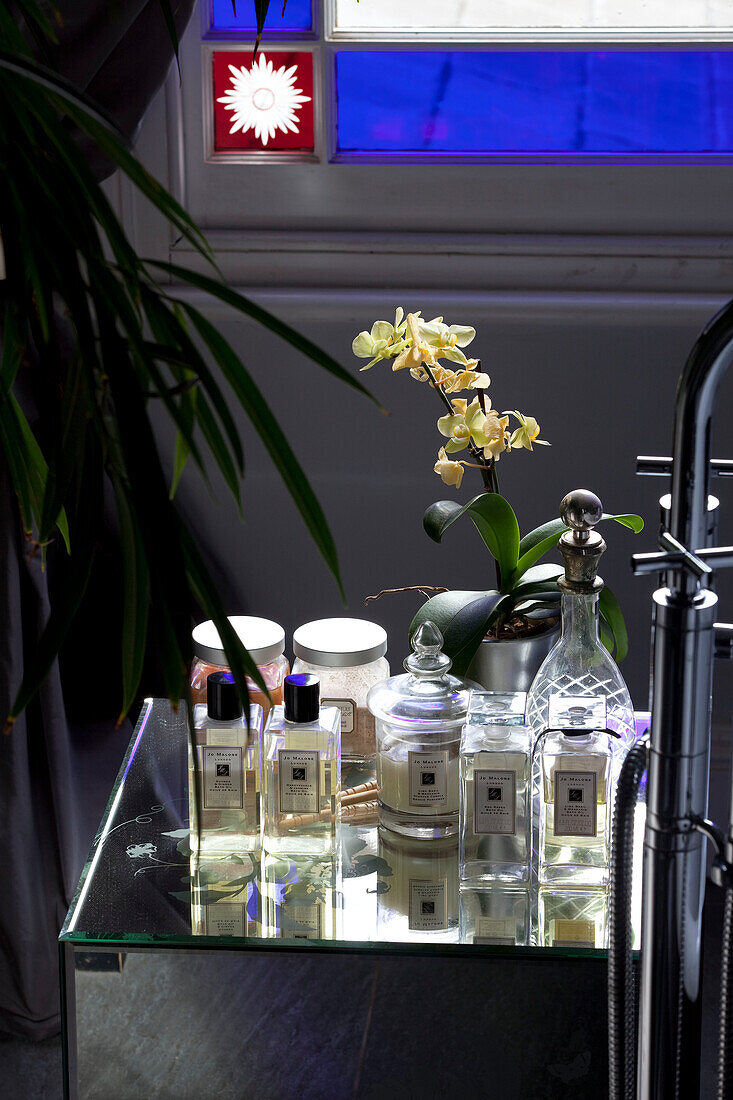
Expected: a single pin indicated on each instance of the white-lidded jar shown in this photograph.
(348, 656)
(263, 639)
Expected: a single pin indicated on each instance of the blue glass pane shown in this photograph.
(445, 102)
(297, 17)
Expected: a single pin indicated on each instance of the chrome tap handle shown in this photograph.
(655, 466)
(673, 556)
(724, 641)
(701, 563)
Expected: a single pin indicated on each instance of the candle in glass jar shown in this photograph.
(419, 717)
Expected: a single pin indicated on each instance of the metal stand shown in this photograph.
(677, 795)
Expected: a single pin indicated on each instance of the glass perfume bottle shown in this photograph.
(419, 717)
(575, 774)
(229, 772)
(579, 663)
(495, 810)
(572, 918)
(225, 899)
(300, 897)
(498, 915)
(418, 901)
(302, 771)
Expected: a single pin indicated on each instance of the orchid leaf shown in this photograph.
(463, 619)
(540, 541)
(493, 518)
(612, 615)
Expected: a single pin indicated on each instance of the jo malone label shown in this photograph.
(499, 931)
(225, 918)
(428, 909)
(428, 778)
(576, 804)
(348, 712)
(298, 781)
(223, 778)
(494, 801)
(574, 933)
(307, 922)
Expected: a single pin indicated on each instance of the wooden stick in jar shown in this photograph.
(351, 798)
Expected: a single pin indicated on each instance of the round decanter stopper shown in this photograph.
(427, 658)
(581, 546)
(581, 510)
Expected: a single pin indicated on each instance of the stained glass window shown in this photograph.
(445, 103)
(297, 19)
(262, 105)
(445, 99)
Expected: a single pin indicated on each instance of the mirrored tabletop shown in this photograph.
(142, 886)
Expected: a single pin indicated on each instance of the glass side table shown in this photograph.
(192, 978)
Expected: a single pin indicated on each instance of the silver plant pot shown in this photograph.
(512, 663)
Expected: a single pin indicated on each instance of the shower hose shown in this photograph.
(621, 994)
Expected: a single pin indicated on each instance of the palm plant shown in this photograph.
(99, 335)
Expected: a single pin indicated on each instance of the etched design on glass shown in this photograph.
(618, 701)
(142, 819)
(139, 851)
(264, 99)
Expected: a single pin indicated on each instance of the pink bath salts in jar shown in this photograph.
(265, 642)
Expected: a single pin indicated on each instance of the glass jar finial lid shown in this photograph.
(427, 658)
(427, 694)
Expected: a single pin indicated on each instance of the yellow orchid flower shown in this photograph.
(468, 379)
(451, 472)
(496, 429)
(448, 338)
(417, 353)
(527, 433)
(440, 375)
(467, 424)
(383, 342)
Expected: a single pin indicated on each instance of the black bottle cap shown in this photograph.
(302, 697)
(222, 697)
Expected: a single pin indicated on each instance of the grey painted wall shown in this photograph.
(596, 363)
(601, 386)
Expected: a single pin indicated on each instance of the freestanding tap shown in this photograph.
(677, 793)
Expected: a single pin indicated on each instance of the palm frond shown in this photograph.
(86, 321)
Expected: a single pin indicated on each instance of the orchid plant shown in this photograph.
(526, 594)
(420, 345)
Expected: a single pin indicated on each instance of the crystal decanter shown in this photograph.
(579, 664)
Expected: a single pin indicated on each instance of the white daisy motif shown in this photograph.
(264, 99)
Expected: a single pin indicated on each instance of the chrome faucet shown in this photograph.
(684, 631)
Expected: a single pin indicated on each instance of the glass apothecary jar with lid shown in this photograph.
(348, 657)
(419, 716)
(265, 642)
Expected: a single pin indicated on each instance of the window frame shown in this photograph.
(516, 225)
(324, 41)
(531, 37)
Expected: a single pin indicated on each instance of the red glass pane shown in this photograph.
(266, 105)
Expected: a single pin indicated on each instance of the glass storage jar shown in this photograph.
(348, 657)
(419, 717)
(265, 642)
